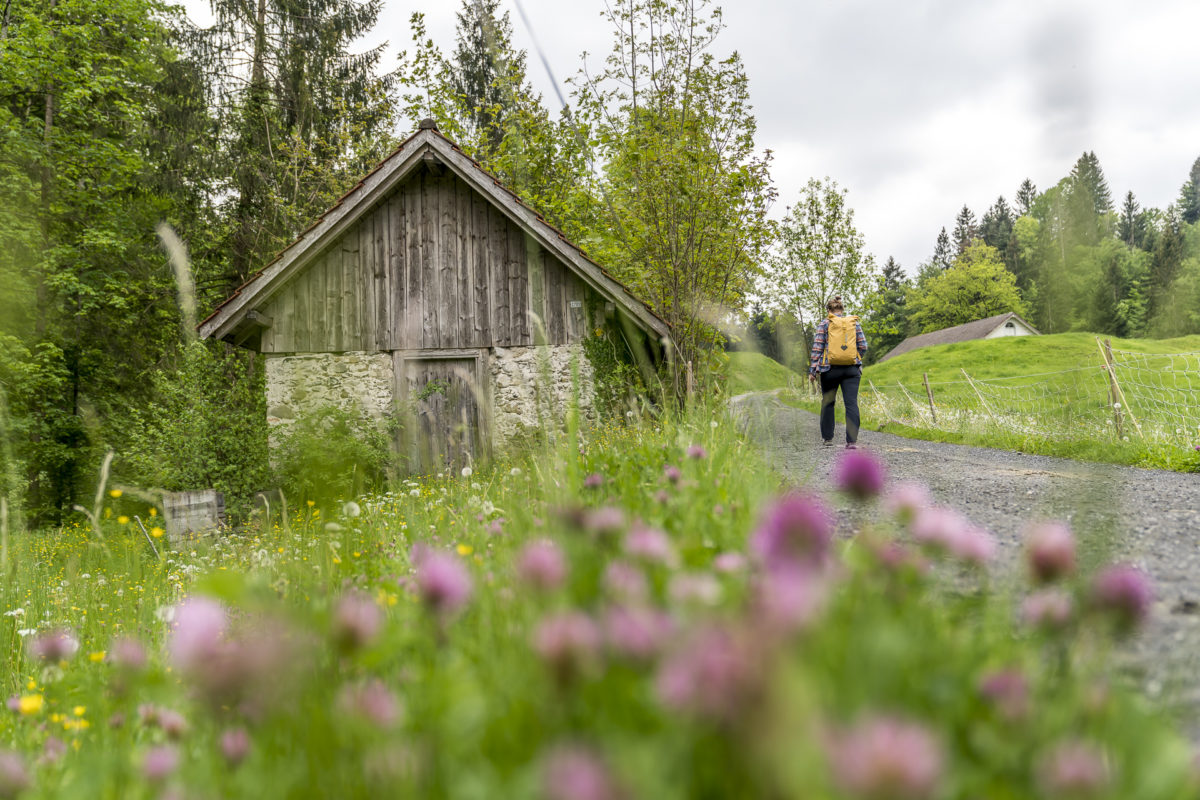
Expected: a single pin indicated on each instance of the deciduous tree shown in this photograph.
(977, 286)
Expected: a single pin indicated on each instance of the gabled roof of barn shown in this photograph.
(426, 144)
(966, 332)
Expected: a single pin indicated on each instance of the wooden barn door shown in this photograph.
(442, 417)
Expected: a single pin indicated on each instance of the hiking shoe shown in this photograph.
(828, 442)
(851, 446)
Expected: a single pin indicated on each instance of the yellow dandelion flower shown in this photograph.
(79, 711)
(278, 549)
(316, 512)
(157, 532)
(56, 718)
(337, 560)
(123, 520)
(30, 704)
(153, 511)
(465, 549)
(97, 656)
(310, 503)
(31, 685)
(115, 493)
(385, 598)
(358, 554)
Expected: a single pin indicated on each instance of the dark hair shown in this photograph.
(835, 304)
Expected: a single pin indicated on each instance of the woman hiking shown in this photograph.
(838, 347)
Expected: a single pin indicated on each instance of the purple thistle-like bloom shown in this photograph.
(887, 758)
(14, 704)
(128, 654)
(1124, 592)
(972, 545)
(698, 588)
(859, 474)
(794, 528)
(1074, 769)
(371, 701)
(235, 746)
(651, 545)
(172, 723)
(607, 519)
(713, 674)
(672, 473)
(567, 642)
(697, 452)
(1049, 609)
(541, 565)
(593, 481)
(444, 583)
(574, 773)
(199, 630)
(1008, 692)
(729, 562)
(357, 620)
(14, 775)
(636, 633)
(53, 749)
(55, 646)
(160, 762)
(905, 500)
(790, 596)
(1050, 547)
(625, 581)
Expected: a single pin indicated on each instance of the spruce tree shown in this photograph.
(485, 73)
(1089, 201)
(1131, 225)
(966, 230)
(996, 227)
(942, 258)
(1189, 196)
(1026, 194)
(303, 115)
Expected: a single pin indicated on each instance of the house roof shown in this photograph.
(426, 143)
(966, 332)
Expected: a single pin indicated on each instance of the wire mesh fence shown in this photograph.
(1117, 395)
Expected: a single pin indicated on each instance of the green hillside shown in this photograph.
(754, 372)
(1013, 356)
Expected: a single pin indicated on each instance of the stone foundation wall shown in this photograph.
(300, 384)
(533, 382)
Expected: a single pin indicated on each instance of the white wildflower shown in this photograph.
(351, 509)
(467, 471)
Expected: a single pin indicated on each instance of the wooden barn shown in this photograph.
(431, 291)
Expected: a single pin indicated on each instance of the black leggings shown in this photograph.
(846, 377)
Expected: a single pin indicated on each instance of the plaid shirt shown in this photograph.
(819, 341)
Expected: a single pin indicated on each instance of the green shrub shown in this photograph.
(333, 454)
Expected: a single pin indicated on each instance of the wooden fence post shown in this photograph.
(1115, 389)
(929, 393)
(690, 381)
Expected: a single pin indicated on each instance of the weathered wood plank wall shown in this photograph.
(434, 265)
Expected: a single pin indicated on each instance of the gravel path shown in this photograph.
(1150, 518)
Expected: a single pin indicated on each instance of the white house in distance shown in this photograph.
(1009, 324)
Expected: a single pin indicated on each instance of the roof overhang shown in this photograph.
(235, 319)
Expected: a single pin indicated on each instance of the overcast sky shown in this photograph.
(920, 106)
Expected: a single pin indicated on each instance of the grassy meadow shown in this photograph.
(1045, 394)
(637, 611)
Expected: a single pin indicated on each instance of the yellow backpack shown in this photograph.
(841, 343)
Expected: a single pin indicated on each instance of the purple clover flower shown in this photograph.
(568, 642)
(650, 545)
(1074, 769)
(357, 620)
(235, 746)
(697, 452)
(160, 762)
(795, 527)
(1125, 593)
(859, 474)
(443, 582)
(1050, 548)
(575, 773)
(887, 758)
(199, 630)
(541, 565)
(55, 646)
